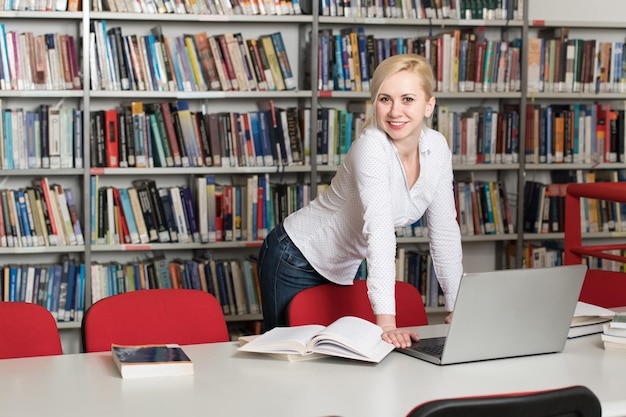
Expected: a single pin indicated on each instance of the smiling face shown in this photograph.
(401, 106)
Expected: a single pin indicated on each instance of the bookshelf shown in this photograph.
(481, 251)
(587, 163)
(233, 171)
(105, 97)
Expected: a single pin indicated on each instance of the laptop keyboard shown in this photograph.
(430, 350)
(432, 347)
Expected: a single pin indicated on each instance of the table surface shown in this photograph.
(232, 383)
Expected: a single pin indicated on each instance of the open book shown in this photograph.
(348, 337)
(588, 319)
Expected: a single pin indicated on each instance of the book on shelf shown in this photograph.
(201, 200)
(147, 211)
(43, 190)
(156, 207)
(270, 114)
(589, 319)
(179, 215)
(207, 61)
(189, 213)
(269, 50)
(141, 361)
(234, 55)
(283, 61)
(220, 64)
(63, 209)
(348, 337)
(263, 62)
(132, 195)
(138, 119)
(168, 212)
(127, 212)
(200, 81)
(188, 135)
(230, 71)
(256, 64)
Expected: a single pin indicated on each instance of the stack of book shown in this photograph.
(589, 319)
(614, 333)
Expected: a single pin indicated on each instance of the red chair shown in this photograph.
(326, 303)
(575, 401)
(181, 316)
(603, 288)
(27, 330)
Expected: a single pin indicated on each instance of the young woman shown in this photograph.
(397, 171)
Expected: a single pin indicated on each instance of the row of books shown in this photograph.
(38, 62)
(190, 62)
(41, 5)
(416, 268)
(606, 264)
(480, 135)
(46, 137)
(544, 209)
(483, 208)
(204, 212)
(60, 288)
(233, 282)
(540, 254)
(463, 60)
(559, 64)
(550, 254)
(337, 129)
(146, 135)
(575, 133)
(215, 7)
(601, 215)
(42, 215)
(425, 9)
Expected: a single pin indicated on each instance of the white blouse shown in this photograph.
(356, 216)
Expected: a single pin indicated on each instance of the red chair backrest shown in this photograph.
(156, 316)
(604, 288)
(326, 303)
(27, 330)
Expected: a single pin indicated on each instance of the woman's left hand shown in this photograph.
(400, 338)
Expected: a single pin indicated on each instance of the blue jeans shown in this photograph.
(283, 273)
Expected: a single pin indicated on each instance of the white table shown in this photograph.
(231, 383)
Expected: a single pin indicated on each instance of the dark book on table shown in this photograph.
(151, 360)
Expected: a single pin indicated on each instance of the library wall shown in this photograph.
(581, 10)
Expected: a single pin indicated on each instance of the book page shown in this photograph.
(588, 313)
(283, 340)
(352, 337)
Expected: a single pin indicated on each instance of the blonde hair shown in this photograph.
(413, 63)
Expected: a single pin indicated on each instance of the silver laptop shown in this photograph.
(507, 313)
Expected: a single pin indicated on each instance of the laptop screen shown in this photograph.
(513, 312)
